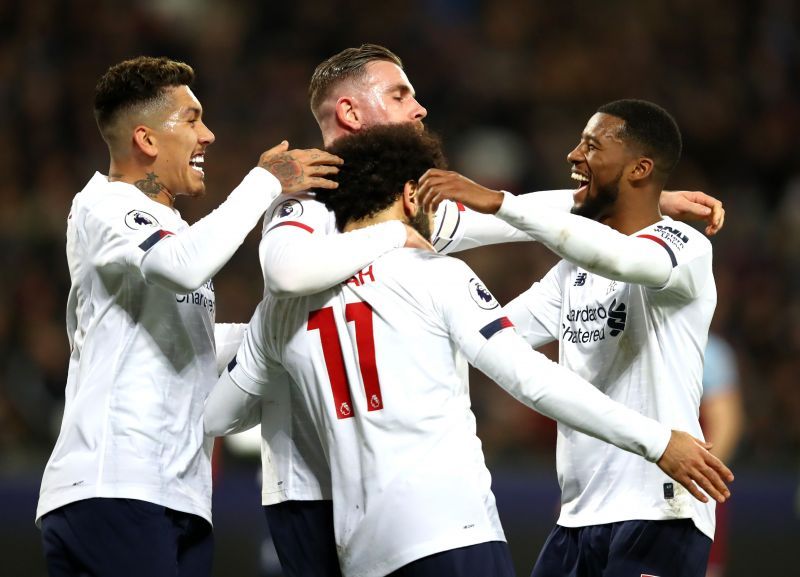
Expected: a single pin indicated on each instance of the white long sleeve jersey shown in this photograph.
(378, 365)
(641, 345)
(303, 253)
(140, 322)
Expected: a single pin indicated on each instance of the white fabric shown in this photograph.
(589, 244)
(458, 228)
(407, 469)
(299, 254)
(642, 347)
(230, 409)
(142, 357)
(227, 338)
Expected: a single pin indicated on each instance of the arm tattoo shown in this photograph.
(150, 185)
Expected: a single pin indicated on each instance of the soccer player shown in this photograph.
(127, 489)
(630, 306)
(378, 364)
(722, 419)
(302, 253)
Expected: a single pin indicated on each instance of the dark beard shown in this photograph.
(601, 205)
(421, 223)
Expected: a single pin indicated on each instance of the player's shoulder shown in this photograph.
(423, 266)
(302, 208)
(680, 236)
(103, 202)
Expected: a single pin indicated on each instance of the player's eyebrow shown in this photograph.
(590, 138)
(192, 111)
(403, 89)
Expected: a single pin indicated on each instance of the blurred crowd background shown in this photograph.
(509, 84)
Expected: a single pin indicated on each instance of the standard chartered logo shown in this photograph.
(612, 318)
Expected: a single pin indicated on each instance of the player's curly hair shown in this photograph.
(378, 162)
(136, 82)
(350, 63)
(652, 129)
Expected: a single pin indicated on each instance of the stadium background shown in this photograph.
(509, 84)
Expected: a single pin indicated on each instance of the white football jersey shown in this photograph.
(296, 469)
(142, 362)
(377, 364)
(642, 347)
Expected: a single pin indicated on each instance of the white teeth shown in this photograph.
(196, 162)
(579, 177)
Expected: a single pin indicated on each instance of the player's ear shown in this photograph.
(145, 141)
(348, 114)
(642, 169)
(410, 206)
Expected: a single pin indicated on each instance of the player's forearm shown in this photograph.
(184, 261)
(562, 395)
(229, 409)
(296, 263)
(227, 338)
(462, 229)
(589, 244)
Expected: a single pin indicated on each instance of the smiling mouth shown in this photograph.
(196, 162)
(582, 179)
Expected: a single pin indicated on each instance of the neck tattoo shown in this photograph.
(151, 187)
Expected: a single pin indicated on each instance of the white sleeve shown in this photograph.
(591, 245)
(480, 330)
(184, 261)
(300, 257)
(229, 409)
(536, 313)
(227, 338)
(458, 228)
(556, 392)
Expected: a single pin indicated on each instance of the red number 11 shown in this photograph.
(361, 314)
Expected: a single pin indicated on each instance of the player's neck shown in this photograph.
(633, 212)
(145, 180)
(394, 212)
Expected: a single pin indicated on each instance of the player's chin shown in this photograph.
(197, 190)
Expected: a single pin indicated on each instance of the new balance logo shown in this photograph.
(580, 280)
(616, 318)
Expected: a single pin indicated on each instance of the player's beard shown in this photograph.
(600, 205)
(421, 223)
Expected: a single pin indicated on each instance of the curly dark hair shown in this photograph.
(652, 129)
(135, 82)
(378, 162)
(349, 63)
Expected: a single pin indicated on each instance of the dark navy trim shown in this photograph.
(665, 245)
(495, 326)
(153, 239)
(232, 364)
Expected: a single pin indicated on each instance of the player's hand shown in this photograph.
(415, 240)
(300, 169)
(437, 185)
(688, 461)
(694, 205)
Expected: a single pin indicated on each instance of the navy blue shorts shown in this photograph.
(674, 548)
(125, 538)
(492, 559)
(302, 532)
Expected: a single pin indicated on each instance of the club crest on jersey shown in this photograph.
(481, 295)
(138, 219)
(290, 208)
